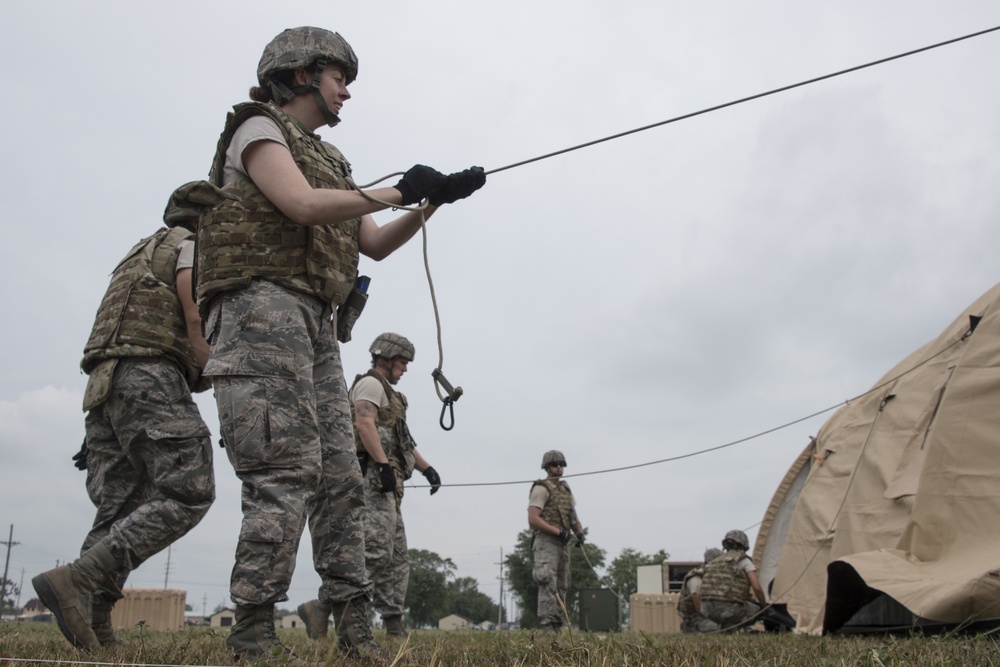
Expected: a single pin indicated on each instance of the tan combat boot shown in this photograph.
(354, 635)
(394, 626)
(316, 616)
(101, 621)
(68, 593)
(253, 636)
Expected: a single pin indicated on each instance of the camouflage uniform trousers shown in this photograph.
(149, 464)
(698, 623)
(728, 613)
(386, 554)
(551, 573)
(287, 430)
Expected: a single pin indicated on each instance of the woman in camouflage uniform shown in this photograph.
(274, 264)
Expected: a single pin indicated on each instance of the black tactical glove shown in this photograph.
(80, 458)
(433, 478)
(418, 182)
(386, 477)
(580, 539)
(565, 536)
(460, 185)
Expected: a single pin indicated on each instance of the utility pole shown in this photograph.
(3, 592)
(500, 606)
(204, 605)
(166, 570)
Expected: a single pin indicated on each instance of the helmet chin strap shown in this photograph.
(328, 115)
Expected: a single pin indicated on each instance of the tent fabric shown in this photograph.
(901, 493)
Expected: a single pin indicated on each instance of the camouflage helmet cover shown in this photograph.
(712, 554)
(391, 345)
(552, 456)
(737, 537)
(301, 47)
(187, 202)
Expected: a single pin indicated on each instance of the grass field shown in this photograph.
(37, 643)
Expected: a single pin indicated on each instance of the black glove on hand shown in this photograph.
(460, 185)
(418, 182)
(80, 458)
(433, 478)
(565, 535)
(580, 539)
(386, 477)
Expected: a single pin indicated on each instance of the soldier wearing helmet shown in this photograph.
(390, 456)
(553, 520)
(147, 452)
(274, 264)
(689, 603)
(731, 593)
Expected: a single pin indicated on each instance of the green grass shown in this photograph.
(204, 646)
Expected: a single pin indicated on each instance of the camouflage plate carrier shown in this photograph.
(141, 315)
(397, 443)
(247, 238)
(725, 580)
(558, 510)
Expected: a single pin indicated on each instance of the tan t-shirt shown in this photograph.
(255, 128)
(371, 390)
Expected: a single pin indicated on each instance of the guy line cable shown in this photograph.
(738, 441)
(451, 394)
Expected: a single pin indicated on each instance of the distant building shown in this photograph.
(291, 621)
(224, 618)
(454, 622)
(34, 607)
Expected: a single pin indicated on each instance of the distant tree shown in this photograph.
(188, 607)
(466, 600)
(622, 573)
(427, 593)
(583, 563)
(8, 592)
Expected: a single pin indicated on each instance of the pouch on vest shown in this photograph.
(99, 384)
(349, 311)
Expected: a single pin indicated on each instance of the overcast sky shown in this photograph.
(642, 299)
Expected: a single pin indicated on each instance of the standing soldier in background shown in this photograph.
(729, 579)
(389, 455)
(147, 452)
(552, 517)
(274, 267)
(689, 604)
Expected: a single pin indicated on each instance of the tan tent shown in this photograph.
(892, 515)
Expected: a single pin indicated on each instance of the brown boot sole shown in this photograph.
(50, 600)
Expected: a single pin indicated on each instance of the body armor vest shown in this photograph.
(725, 579)
(685, 605)
(558, 509)
(141, 315)
(392, 432)
(247, 238)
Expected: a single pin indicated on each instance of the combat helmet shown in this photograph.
(712, 554)
(737, 537)
(552, 456)
(309, 48)
(391, 345)
(187, 202)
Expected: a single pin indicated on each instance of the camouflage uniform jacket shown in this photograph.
(397, 443)
(248, 237)
(685, 605)
(141, 315)
(725, 579)
(558, 510)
